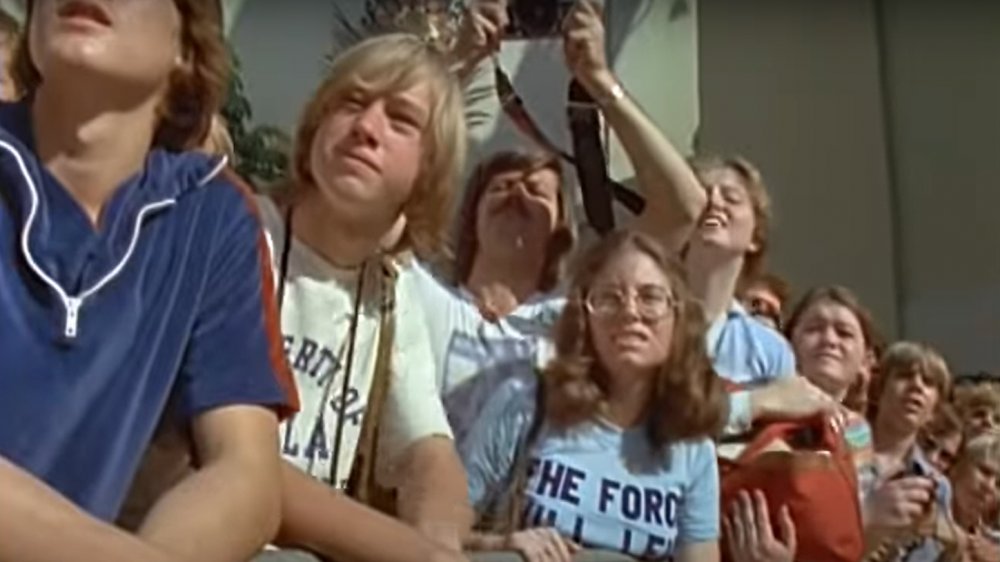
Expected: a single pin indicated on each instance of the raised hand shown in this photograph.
(751, 537)
(584, 47)
(481, 31)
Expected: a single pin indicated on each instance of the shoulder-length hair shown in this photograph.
(393, 63)
(904, 357)
(466, 239)
(857, 393)
(753, 182)
(688, 400)
(197, 89)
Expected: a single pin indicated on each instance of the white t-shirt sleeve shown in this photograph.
(413, 408)
(441, 305)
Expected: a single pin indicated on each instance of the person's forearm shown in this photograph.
(482, 541)
(39, 525)
(228, 510)
(434, 496)
(317, 518)
(674, 196)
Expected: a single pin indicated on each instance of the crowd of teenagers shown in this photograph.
(340, 367)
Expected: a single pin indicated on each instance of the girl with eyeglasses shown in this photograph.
(614, 451)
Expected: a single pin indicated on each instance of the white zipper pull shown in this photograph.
(72, 315)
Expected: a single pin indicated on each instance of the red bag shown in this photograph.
(816, 479)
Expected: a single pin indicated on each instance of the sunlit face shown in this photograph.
(975, 485)
(981, 419)
(366, 155)
(728, 222)
(631, 312)
(764, 305)
(940, 450)
(518, 210)
(125, 42)
(909, 398)
(830, 346)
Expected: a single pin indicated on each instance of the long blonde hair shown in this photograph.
(387, 64)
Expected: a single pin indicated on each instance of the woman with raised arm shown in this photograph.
(493, 318)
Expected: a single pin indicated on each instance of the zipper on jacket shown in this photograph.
(72, 304)
(72, 316)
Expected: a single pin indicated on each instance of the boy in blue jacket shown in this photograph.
(134, 284)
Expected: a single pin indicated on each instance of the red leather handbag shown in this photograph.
(807, 466)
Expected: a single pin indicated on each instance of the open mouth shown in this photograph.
(87, 11)
(913, 405)
(714, 220)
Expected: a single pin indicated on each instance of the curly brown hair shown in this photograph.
(688, 400)
(467, 244)
(197, 89)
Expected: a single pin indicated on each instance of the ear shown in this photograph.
(870, 359)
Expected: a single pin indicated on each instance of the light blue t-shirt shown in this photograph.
(603, 487)
(473, 354)
(746, 352)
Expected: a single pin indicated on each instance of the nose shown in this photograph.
(369, 123)
(629, 308)
(829, 338)
(517, 188)
(715, 199)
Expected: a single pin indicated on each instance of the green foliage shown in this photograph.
(262, 151)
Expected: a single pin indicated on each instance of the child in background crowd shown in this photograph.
(941, 439)
(979, 407)
(831, 333)
(903, 494)
(976, 481)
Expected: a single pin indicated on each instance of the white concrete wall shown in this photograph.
(795, 87)
(885, 182)
(943, 77)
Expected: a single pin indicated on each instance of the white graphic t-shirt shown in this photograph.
(315, 320)
(602, 486)
(473, 354)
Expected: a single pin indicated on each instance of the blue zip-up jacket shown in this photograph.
(170, 299)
